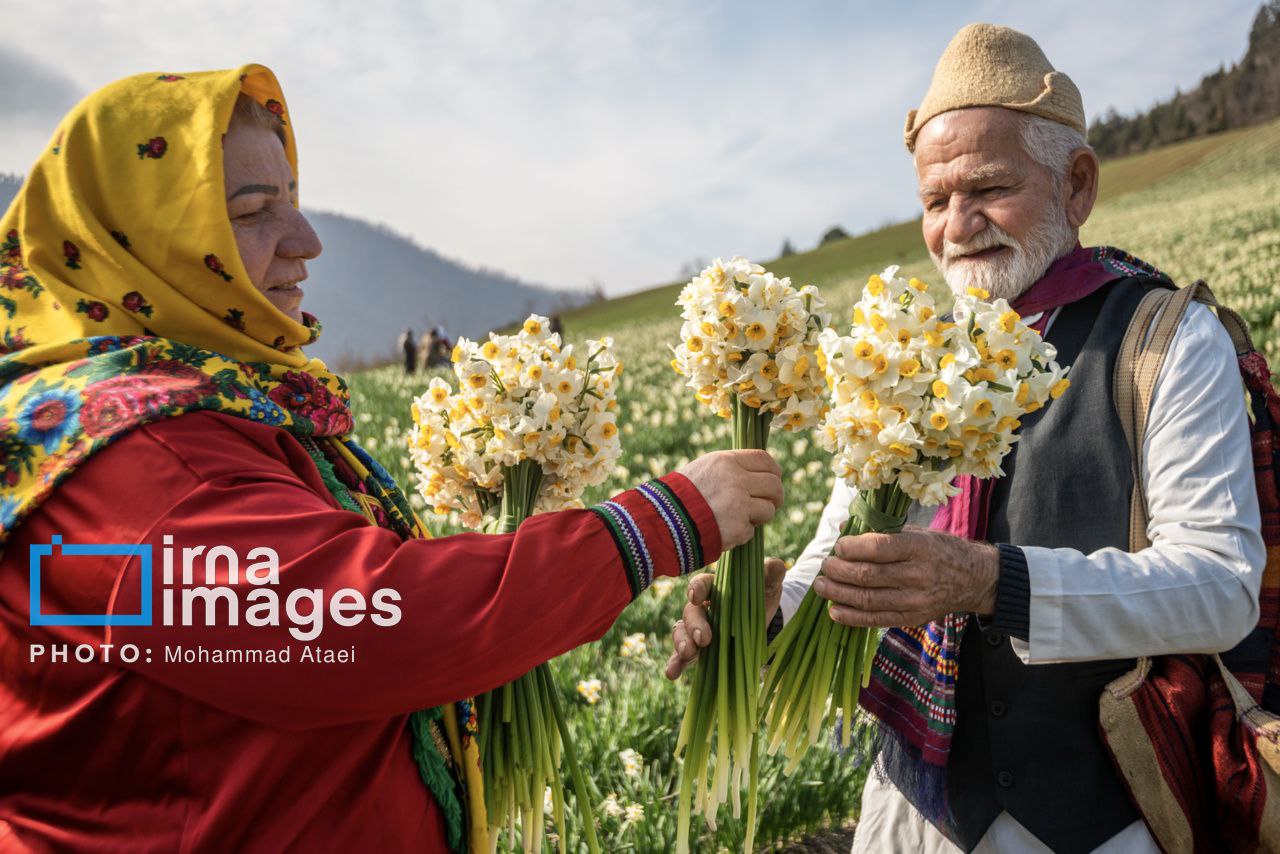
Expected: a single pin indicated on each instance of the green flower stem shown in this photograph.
(817, 667)
(725, 689)
(523, 735)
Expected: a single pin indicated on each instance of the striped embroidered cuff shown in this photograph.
(630, 542)
(684, 534)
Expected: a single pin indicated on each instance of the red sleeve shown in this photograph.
(456, 616)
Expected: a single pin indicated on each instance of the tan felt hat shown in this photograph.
(991, 66)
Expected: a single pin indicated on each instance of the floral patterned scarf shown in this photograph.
(123, 301)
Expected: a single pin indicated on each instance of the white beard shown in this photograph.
(1007, 278)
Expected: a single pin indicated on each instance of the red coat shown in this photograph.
(165, 756)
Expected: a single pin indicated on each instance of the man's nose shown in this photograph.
(964, 219)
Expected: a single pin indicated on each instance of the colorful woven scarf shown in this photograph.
(123, 301)
(915, 671)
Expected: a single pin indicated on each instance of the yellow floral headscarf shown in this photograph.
(123, 300)
(123, 224)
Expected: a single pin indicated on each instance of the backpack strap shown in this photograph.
(1142, 354)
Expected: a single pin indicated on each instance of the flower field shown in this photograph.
(1217, 219)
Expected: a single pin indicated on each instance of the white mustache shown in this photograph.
(989, 238)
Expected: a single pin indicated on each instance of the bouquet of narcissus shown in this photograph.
(749, 350)
(529, 428)
(915, 402)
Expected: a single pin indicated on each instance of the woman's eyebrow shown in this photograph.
(269, 189)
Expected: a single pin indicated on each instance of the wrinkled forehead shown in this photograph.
(964, 146)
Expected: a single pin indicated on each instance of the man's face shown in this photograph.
(993, 217)
(274, 238)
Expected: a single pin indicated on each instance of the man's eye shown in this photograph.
(935, 204)
(251, 215)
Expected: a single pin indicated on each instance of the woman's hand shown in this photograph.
(743, 488)
(692, 632)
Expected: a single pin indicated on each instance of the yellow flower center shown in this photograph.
(938, 421)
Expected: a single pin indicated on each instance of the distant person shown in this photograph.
(441, 349)
(168, 365)
(408, 345)
(555, 326)
(426, 345)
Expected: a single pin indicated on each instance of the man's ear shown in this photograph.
(1081, 186)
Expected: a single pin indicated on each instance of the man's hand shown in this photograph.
(743, 488)
(692, 632)
(908, 579)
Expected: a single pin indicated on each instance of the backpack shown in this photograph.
(1197, 737)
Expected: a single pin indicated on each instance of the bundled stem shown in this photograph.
(724, 691)
(818, 666)
(523, 734)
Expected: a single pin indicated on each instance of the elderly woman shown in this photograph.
(150, 269)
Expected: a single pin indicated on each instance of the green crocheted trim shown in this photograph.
(434, 771)
(330, 478)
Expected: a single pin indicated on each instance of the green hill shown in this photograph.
(901, 243)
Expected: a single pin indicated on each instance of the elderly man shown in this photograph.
(989, 716)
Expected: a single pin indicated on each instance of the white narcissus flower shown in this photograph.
(750, 336)
(519, 397)
(611, 807)
(633, 646)
(632, 762)
(633, 813)
(917, 400)
(589, 690)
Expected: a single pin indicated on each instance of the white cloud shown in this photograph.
(564, 141)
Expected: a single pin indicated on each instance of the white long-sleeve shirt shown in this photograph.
(1194, 589)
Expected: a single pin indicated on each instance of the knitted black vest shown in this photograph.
(1026, 740)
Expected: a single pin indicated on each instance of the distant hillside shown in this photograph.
(1246, 94)
(370, 283)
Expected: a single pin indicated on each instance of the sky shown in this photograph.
(576, 141)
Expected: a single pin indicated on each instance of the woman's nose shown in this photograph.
(301, 240)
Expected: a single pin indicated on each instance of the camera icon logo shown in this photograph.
(55, 545)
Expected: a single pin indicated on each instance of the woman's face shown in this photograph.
(274, 238)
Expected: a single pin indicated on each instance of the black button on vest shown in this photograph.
(1026, 739)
